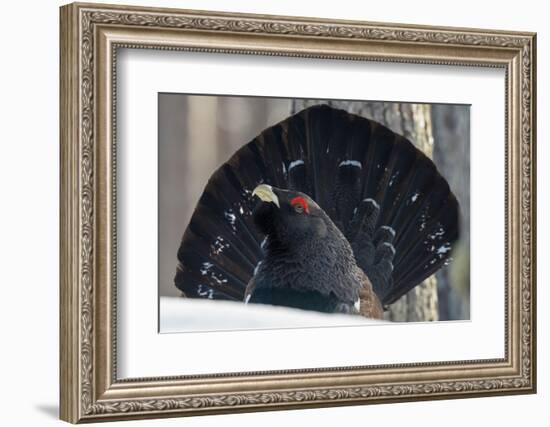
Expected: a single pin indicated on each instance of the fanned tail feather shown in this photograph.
(364, 176)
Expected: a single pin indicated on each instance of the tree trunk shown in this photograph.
(413, 121)
(451, 130)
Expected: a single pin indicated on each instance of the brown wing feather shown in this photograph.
(370, 305)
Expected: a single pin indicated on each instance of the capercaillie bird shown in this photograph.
(325, 211)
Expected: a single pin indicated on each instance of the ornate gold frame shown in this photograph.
(90, 36)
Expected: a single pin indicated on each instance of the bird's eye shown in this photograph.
(300, 205)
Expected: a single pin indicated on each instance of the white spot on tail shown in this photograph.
(294, 164)
(444, 249)
(231, 218)
(219, 280)
(354, 163)
(376, 205)
(206, 270)
(206, 266)
(218, 246)
(425, 217)
(414, 197)
(440, 232)
(208, 292)
(390, 229)
(389, 245)
(257, 268)
(393, 178)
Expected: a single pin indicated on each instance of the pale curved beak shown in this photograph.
(265, 193)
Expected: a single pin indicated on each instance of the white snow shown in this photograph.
(194, 314)
(355, 163)
(294, 164)
(414, 197)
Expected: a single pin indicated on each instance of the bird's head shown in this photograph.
(289, 218)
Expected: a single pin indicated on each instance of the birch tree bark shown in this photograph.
(413, 121)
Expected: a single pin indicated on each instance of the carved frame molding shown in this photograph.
(90, 37)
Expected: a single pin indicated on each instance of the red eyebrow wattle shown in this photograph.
(300, 201)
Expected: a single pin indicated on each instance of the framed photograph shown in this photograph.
(265, 212)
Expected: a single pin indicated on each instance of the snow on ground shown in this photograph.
(192, 315)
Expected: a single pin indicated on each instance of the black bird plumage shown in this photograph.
(381, 218)
(308, 262)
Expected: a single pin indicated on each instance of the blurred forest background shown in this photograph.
(198, 133)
